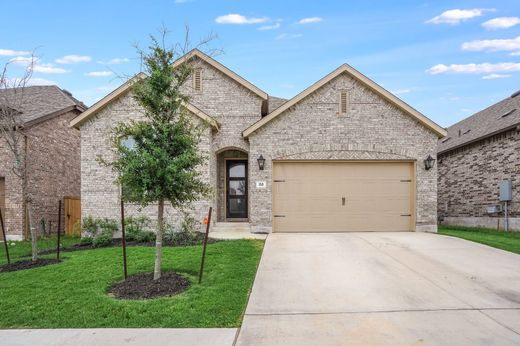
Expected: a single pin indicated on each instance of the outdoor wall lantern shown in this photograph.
(261, 163)
(429, 162)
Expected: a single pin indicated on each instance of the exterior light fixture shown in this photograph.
(261, 163)
(429, 162)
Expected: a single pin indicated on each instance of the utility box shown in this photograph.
(506, 190)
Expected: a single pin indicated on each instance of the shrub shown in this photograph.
(136, 229)
(98, 232)
(102, 240)
(185, 234)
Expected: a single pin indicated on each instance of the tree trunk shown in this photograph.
(158, 240)
(32, 231)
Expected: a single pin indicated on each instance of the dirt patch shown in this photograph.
(143, 286)
(27, 264)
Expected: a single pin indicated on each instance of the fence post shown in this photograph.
(123, 236)
(5, 238)
(208, 222)
(59, 231)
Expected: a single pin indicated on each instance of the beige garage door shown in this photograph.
(328, 196)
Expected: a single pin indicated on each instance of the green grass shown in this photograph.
(72, 294)
(509, 241)
(19, 250)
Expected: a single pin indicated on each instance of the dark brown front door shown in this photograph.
(236, 189)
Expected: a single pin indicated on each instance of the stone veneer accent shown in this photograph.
(53, 170)
(469, 179)
(373, 129)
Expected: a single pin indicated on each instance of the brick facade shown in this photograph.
(53, 171)
(374, 130)
(469, 179)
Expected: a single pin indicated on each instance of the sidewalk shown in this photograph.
(124, 336)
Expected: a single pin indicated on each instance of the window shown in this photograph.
(197, 80)
(343, 102)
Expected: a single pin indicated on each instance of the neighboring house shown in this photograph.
(53, 162)
(478, 153)
(343, 155)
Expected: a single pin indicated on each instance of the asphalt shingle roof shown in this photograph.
(494, 119)
(39, 101)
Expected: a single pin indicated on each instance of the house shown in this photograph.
(52, 151)
(343, 155)
(477, 154)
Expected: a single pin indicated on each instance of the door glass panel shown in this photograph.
(237, 170)
(236, 206)
(237, 187)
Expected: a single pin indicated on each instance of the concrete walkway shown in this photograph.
(113, 337)
(382, 289)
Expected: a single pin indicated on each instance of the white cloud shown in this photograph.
(286, 85)
(515, 53)
(37, 65)
(106, 87)
(401, 91)
(501, 23)
(10, 52)
(73, 59)
(496, 76)
(182, 1)
(310, 20)
(475, 68)
(99, 74)
(115, 61)
(457, 16)
(270, 27)
(41, 81)
(512, 44)
(286, 36)
(234, 18)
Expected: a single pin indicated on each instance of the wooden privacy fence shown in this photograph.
(72, 213)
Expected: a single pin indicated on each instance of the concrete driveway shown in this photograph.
(382, 288)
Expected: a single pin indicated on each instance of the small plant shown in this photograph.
(185, 234)
(137, 229)
(98, 232)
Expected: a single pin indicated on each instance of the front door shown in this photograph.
(236, 189)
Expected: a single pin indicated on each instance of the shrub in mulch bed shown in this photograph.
(197, 240)
(143, 286)
(27, 264)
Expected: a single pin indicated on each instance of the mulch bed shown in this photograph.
(142, 286)
(27, 264)
(118, 242)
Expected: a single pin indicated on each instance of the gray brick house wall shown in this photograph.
(373, 129)
(469, 179)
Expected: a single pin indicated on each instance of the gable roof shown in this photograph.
(439, 131)
(39, 103)
(501, 116)
(122, 90)
(212, 62)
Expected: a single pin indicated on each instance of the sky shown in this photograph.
(447, 59)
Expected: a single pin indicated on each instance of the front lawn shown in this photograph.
(19, 250)
(72, 294)
(509, 241)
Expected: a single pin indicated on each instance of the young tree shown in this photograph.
(13, 136)
(157, 158)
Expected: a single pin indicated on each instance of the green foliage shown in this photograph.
(158, 158)
(185, 234)
(98, 232)
(137, 229)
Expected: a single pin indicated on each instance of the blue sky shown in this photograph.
(448, 59)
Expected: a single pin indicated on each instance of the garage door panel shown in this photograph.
(308, 196)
